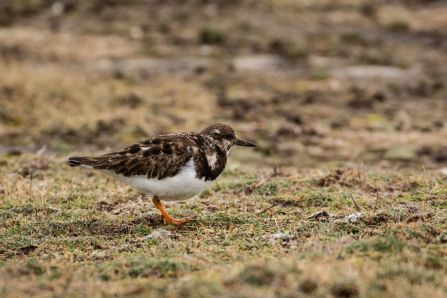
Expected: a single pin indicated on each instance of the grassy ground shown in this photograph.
(71, 232)
(358, 86)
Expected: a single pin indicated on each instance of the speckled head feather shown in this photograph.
(224, 136)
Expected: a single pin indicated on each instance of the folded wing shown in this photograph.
(156, 158)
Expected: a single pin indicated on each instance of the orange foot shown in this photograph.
(174, 221)
(167, 219)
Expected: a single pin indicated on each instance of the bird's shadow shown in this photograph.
(111, 228)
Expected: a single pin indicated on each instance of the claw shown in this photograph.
(167, 219)
(174, 221)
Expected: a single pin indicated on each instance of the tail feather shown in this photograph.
(75, 161)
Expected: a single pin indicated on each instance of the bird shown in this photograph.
(170, 167)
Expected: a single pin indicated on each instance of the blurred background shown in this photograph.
(314, 83)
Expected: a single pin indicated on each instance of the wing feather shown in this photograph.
(156, 158)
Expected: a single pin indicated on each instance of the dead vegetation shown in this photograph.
(288, 235)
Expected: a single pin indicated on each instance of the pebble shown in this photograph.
(158, 234)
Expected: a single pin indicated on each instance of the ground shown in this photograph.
(344, 196)
(255, 234)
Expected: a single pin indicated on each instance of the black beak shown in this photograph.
(242, 142)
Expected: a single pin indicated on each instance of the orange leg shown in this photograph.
(166, 217)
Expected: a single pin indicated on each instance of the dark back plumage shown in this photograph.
(165, 156)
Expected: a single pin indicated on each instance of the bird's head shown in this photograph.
(225, 137)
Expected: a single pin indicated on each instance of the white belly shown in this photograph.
(180, 187)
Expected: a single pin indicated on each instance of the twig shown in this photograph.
(355, 203)
(267, 209)
(277, 171)
(31, 183)
(253, 186)
(358, 169)
(318, 214)
(377, 203)
(259, 183)
(276, 223)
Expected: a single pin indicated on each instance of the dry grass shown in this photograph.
(69, 232)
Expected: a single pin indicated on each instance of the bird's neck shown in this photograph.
(213, 158)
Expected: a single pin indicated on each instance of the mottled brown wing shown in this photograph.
(156, 158)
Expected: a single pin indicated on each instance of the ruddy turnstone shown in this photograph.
(169, 167)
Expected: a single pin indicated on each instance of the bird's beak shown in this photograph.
(242, 142)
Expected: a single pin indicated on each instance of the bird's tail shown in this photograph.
(75, 161)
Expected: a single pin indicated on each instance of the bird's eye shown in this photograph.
(228, 136)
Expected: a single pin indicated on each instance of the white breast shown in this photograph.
(180, 187)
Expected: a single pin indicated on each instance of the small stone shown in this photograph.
(258, 62)
(158, 234)
(352, 218)
(98, 254)
(281, 236)
(376, 72)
